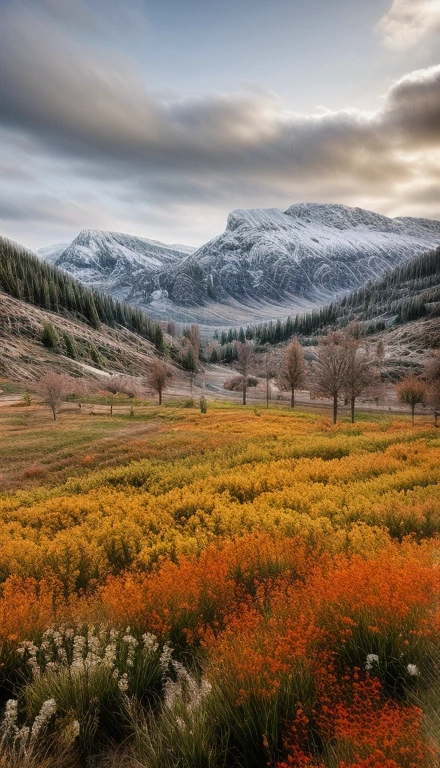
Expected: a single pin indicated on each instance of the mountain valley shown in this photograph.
(266, 265)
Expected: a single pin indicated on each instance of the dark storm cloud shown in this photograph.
(58, 90)
(85, 104)
(37, 207)
(413, 107)
(91, 111)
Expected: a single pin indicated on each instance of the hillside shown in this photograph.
(24, 357)
(406, 293)
(402, 309)
(92, 332)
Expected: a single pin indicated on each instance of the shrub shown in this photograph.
(236, 384)
(70, 346)
(49, 336)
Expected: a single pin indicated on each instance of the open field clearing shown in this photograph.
(245, 587)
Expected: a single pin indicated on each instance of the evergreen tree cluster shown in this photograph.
(408, 292)
(25, 277)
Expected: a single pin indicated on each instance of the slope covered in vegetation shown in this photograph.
(274, 600)
(409, 292)
(25, 277)
(49, 320)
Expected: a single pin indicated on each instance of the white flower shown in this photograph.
(9, 722)
(123, 683)
(371, 660)
(165, 657)
(412, 670)
(79, 643)
(181, 723)
(47, 710)
(22, 737)
(185, 689)
(110, 655)
(132, 644)
(150, 642)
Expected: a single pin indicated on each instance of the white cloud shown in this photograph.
(409, 21)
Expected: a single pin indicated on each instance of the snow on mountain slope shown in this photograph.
(52, 252)
(267, 264)
(310, 253)
(113, 261)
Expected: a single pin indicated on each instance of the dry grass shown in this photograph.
(34, 449)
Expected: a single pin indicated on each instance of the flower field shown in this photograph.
(244, 588)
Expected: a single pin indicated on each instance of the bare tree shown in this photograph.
(158, 376)
(293, 370)
(195, 339)
(361, 374)
(380, 351)
(329, 368)
(245, 356)
(131, 387)
(432, 374)
(53, 388)
(412, 391)
(267, 373)
(189, 362)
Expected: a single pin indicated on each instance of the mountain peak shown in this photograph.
(339, 216)
(272, 218)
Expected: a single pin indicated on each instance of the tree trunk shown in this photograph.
(54, 412)
(335, 408)
(267, 391)
(413, 408)
(292, 398)
(244, 394)
(160, 396)
(352, 402)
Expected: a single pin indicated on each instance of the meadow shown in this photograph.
(243, 588)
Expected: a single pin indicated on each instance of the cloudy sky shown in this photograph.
(159, 117)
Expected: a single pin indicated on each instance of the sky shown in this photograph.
(159, 117)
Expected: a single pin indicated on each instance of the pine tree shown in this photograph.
(49, 336)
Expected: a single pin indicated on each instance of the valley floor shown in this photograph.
(245, 587)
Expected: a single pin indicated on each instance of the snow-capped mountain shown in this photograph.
(267, 264)
(52, 252)
(114, 262)
(310, 252)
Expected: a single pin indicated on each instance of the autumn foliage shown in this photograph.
(294, 566)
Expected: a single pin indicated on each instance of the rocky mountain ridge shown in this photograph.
(267, 264)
